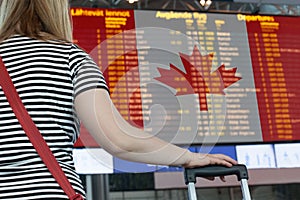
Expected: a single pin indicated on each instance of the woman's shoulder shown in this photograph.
(78, 51)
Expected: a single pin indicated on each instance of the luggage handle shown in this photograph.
(190, 174)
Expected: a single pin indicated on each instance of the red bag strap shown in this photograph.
(34, 134)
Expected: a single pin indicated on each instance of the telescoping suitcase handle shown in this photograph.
(191, 174)
(215, 170)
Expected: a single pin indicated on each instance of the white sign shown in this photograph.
(256, 156)
(93, 161)
(287, 155)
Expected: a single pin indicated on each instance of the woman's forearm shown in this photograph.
(119, 138)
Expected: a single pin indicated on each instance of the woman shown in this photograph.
(57, 81)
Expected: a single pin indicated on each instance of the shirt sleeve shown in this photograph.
(85, 72)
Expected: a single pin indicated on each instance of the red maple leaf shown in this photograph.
(198, 77)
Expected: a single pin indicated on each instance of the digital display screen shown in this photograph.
(197, 78)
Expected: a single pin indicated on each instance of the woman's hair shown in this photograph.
(41, 19)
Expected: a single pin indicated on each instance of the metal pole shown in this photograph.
(192, 191)
(245, 189)
(101, 187)
(89, 187)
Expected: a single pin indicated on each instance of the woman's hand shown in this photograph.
(200, 160)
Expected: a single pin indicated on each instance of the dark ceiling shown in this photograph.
(276, 7)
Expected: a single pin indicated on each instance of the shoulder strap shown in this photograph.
(34, 134)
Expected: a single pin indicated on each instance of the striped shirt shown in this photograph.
(47, 76)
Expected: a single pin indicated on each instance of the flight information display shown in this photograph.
(197, 78)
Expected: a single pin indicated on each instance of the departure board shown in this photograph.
(197, 78)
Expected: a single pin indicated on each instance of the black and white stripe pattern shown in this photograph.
(47, 76)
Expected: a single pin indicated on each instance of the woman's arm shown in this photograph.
(122, 140)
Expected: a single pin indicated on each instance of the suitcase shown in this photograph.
(191, 174)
